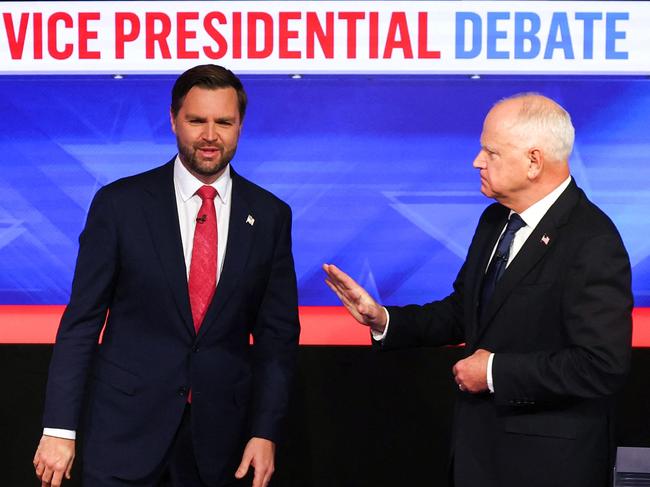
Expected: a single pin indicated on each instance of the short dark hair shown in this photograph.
(210, 76)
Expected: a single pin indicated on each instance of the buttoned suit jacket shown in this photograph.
(131, 390)
(559, 323)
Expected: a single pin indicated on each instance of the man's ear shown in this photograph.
(535, 163)
(172, 120)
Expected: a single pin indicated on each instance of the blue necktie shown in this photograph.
(498, 264)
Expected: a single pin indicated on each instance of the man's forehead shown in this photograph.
(501, 121)
(201, 92)
(204, 100)
(505, 112)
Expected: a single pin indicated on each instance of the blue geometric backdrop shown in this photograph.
(378, 169)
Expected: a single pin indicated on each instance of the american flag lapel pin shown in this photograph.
(250, 220)
(546, 239)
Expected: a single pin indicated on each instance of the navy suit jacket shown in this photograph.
(131, 389)
(559, 323)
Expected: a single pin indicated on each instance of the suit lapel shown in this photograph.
(162, 220)
(485, 243)
(241, 233)
(540, 241)
(531, 252)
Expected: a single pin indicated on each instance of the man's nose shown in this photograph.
(211, 133)
(479, 161)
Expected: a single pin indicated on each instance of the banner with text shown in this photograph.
(326, 37)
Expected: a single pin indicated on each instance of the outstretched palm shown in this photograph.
(355, 298)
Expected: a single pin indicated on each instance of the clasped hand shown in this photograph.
(471, 373)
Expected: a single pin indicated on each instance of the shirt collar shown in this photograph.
(534, 213)
(188, 184)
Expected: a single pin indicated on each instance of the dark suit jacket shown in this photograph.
(131, 265)
(559, 323)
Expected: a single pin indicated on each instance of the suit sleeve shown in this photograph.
(275, 337)
(596, 313)
(84, 317)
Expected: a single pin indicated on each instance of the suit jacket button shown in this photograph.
(195, 348)
(182, 391)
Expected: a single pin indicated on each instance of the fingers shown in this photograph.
(259, 454)
(352, 301)
(262, 475)
(471, 373)
(356, 299)
(39, 468)
(339, 277)
(344, 283)
(242, 470)
(350, 304)
(341, 295)
(462, 375)
(57, 478)
(52, 476)
(53, 460)
(47, 476)
(353, 295)
(43, 473)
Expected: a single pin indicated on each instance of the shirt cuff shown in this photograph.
(60, 433)
(380, 336)
(490, 382)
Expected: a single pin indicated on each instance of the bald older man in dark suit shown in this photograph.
(543, 304)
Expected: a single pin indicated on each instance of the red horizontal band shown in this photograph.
(321, 325)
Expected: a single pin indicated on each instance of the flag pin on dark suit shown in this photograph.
(250, 220)
(546, 239)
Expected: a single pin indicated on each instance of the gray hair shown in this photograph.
(546, 122)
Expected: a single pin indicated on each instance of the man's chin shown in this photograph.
(210, 169)
(204, 168)
(486, 189)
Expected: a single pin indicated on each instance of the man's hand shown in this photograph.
(356, 299)
(53, 460)
(259, 454)
(471, 373)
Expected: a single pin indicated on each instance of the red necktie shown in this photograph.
(203, 267)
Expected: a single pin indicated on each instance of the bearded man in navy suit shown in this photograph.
(176, 394)
(548, 337)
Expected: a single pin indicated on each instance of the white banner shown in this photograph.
(326, 37)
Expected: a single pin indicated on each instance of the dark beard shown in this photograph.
(188, 157)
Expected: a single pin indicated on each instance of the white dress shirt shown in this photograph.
(188, 204)
(531, 217)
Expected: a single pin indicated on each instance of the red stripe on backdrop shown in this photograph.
(321, 325)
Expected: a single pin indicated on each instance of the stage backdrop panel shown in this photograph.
(378, 169)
